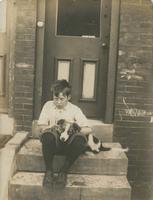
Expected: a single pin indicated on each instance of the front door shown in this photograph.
(76, 48)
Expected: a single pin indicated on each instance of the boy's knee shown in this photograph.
(79, 140)
(48, 138)
(78, 146)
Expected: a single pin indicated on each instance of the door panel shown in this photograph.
(77, 18)
(73, 50)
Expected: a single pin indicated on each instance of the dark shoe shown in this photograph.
(48, 179)
(61, 179)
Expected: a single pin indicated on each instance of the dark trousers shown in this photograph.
(51, 145)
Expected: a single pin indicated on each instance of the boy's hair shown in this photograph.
(61, 86)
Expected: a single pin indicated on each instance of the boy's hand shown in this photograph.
(42, 128)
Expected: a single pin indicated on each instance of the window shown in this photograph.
(79, 18)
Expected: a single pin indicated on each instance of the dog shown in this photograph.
(64, 129)
(67, 129)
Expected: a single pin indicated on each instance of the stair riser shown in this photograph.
(81, 166)
(17, 192)
(104, 133)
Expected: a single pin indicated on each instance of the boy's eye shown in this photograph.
(61, 99)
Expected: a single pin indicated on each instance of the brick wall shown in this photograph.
(134, 95)
(24, 63)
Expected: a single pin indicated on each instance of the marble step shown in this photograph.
(28, 186)
(112, 162)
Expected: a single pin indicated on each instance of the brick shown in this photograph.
(28, 117)
(28, 106)
(131, 2)
(23, 100)
(24, 112)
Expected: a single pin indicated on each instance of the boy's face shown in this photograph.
(61, 100)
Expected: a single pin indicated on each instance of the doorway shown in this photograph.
(76, 48)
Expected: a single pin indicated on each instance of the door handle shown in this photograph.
(104, 45)
(40, 24)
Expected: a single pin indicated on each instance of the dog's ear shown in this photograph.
(96, 140)
(76, 127)
(60, 122)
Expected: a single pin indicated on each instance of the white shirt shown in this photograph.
(50, 114)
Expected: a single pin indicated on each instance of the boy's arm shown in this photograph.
(83, 122)
(86, 130)
(41, 128)
(43, 122)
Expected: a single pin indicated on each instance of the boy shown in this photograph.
(61, 108)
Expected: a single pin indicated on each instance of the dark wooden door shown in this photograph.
(76, 48)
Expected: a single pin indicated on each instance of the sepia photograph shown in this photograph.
(76, 99)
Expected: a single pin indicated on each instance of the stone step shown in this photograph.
(28, 186)
(101, 130)
(111, 162)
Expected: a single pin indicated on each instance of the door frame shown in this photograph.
(112, 60)
(7, 52)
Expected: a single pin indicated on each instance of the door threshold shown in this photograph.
(98, 122)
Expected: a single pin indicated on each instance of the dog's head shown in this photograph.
(61, 126)
(69, 129)
(61, 123)
(73, 129)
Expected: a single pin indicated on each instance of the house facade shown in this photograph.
(104, 48)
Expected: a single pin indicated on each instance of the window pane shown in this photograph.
(78, 18)
(88, 80)
(63, 70)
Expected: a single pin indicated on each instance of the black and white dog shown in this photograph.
(93, 143)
